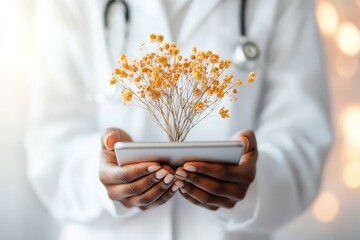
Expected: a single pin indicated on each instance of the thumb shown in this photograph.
(249, 139)
(112, 136)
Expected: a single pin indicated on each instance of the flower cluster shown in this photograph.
(178, 92)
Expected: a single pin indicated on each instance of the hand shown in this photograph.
(144, 185)
(213, 185)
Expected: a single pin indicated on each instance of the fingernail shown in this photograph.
(190, 168)
(181, 174)
(179, 183)
(174, 188)
(153, 168)
(161, 173)
(246, 143)
(107, 144)
(168, 178)
(182, 190)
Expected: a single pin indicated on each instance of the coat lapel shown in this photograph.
(156, 10)
(197, 13)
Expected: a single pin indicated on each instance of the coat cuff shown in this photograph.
(256, 212)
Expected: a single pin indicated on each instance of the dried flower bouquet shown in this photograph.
(178, 92)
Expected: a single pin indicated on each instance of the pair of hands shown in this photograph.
(149, 184)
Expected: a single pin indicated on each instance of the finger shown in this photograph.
(163, 199)
(205, 197)
(249, 139)
(112, 136)
(223, 172)
(168, 168)
(110, 174)
(196, 202)
(214, 186)
(121, 191)
(152, 194)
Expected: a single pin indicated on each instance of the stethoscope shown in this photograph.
(244, 54)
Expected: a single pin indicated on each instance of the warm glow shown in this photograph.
(348, 39)
(352, 174)
(326, 207)
(12, 35)
(351, 121)
(347, 66)
(327, 17)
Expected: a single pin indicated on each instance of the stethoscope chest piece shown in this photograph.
(245, 53)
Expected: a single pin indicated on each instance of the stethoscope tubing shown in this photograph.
(107, 10)
(242, 14)
(127, 17)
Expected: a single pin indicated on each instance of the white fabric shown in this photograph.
(287, 107)
(176, 11)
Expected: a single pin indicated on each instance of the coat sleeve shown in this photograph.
(293, 130)
(63, 139)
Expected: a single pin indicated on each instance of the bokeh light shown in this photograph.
(326, 207)
(346, 66)
(327, 17)
(348, 39)
(351, 174)
(351, 128)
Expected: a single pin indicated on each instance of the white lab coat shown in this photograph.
(286, 107)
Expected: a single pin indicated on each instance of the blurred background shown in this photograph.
(334, 215)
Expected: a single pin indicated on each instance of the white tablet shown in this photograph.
(175, 153)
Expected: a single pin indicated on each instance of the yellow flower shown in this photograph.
(122, 58)
(127, 96)
(201, 55)
(152, 37)
(227, 63)
(160, 38)
(250, 80)
(138, 79)
(197, 92)
(155, 94)
(221, 64)
(216, 83)
(113, 81)
(252, 77)
(175, 51)
(145, 70)
(224, 113)
(220, 93)
(239, 82)
(126, 65)
(197, 75)
(117, 71)
(198, 106)
(142, 93)
(214, 58)
(228, 78)
(176, 77)
(224, 85)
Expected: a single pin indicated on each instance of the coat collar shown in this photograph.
(197, 13)
(198, 10)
